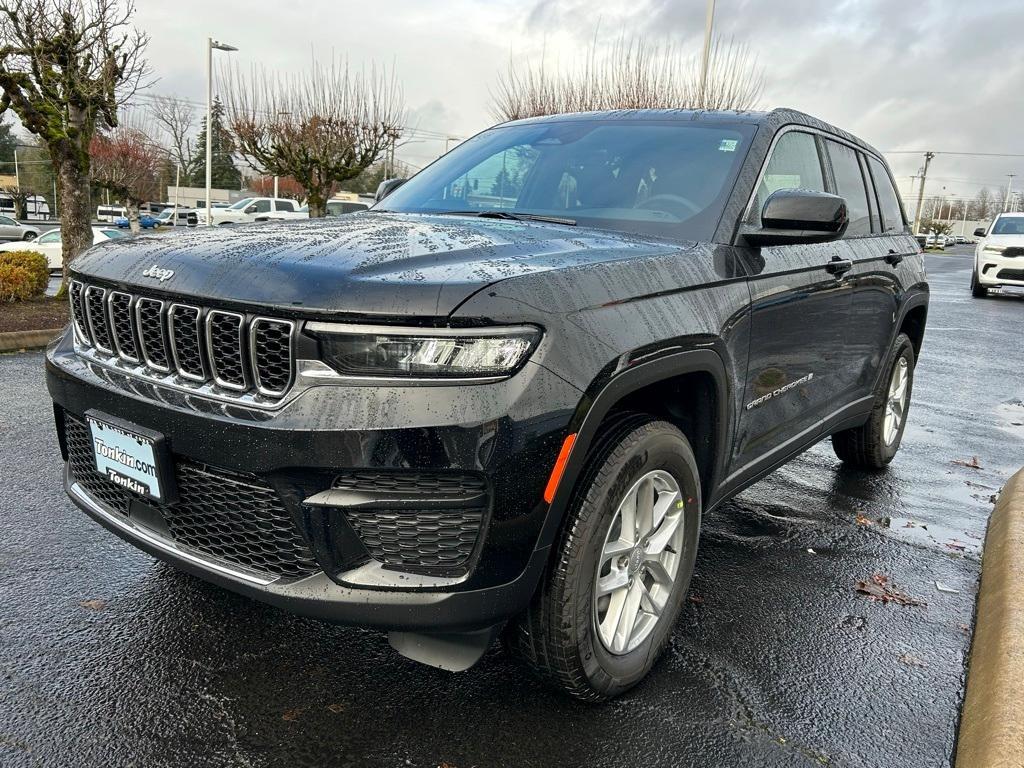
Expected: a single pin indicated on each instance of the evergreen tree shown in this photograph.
(224, 174)
(8, 142)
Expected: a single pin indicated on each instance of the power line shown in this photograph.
(937, 152)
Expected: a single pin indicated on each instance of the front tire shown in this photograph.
(873, 445)
(622, 565)
(978, 290)
(29, 237)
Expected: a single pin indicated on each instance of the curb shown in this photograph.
(15, 341)
(992, 723)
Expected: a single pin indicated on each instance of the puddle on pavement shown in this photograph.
(933, 535)
(1010, 417)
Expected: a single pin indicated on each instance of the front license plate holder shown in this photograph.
(133, 457)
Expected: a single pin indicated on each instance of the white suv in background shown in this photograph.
(999, 255)
(253, 209)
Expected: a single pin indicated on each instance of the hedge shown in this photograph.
(34, 263)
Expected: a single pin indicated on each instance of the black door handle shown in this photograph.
(839, 266)
(894, 258)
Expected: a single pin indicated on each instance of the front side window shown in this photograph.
(850, 186)
(8, 222)
(261, 206)
(668, 178)
(794, 164)
(888, 199)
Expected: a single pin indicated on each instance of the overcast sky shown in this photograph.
(944, 75)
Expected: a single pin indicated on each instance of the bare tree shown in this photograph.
(176, 118)
(127, 163)
(65, 67)
(632, 74)
(321, 128)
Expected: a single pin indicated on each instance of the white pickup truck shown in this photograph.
(253, 209)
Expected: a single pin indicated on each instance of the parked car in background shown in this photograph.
(146, 221)
(489, 410)
(340, 207)
(251, 209)
(12, 229)
(999, 255)
(49, 244)
(935, 241)
(960, 240)
(186, 217)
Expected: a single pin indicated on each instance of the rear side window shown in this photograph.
(794, 164)
(850, 185)
(892, 211)
(285, 205)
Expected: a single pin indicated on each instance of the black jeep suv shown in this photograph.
(500, 400)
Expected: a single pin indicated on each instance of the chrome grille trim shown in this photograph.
(114, 335)
(209, 352)
(148, 359)
(76, 295)
(254, 354)
(177, 344)
(97, 318)
(212, 355)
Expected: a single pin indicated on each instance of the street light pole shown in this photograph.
(709, 23)
(1009, 188)
(210, 45)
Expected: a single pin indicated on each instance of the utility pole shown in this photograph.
(709, 23)
(1009, 191)
(963, 224)
(920, 192)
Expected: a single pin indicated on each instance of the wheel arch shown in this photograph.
(636, 390)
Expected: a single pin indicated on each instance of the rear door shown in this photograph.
(800, 305)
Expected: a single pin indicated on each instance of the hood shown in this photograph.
(361, 264)
(1004, 241)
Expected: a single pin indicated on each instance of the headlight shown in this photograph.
(993, 249)
(423, 353)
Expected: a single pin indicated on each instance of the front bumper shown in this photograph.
(507, 433)
(994, 270)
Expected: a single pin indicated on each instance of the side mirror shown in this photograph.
(251, 209)
(979, 232)
(386, 187)
(792, 216)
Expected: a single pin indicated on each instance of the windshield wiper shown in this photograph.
(511, 216)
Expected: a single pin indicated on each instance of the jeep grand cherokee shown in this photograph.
(500, 401)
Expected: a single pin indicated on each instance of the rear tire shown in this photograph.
(978, 290)
(611, 597)
(873, 445)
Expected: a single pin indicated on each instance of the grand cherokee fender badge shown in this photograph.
(158, 273)
(779, 391)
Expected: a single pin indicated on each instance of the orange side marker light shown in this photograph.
(559, 468)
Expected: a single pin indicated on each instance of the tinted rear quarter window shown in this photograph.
(850, 185)
(892, 211)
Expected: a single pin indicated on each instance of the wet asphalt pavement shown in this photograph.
(108, 658)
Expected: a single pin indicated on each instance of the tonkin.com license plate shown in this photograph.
(129, 456)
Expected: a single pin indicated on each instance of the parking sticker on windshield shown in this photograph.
(728, 145)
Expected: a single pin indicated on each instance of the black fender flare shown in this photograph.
(593, 408)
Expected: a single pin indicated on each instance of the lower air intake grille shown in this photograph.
(220, 514)
(1010, 274)
(429, 540)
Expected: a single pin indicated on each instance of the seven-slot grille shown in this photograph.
(223, 349)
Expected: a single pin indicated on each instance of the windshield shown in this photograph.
(1008, 225)
(667, 178)
(244, 203)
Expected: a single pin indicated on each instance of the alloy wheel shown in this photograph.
(639, 562)
(896, 403)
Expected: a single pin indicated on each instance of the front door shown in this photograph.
(800, 304)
